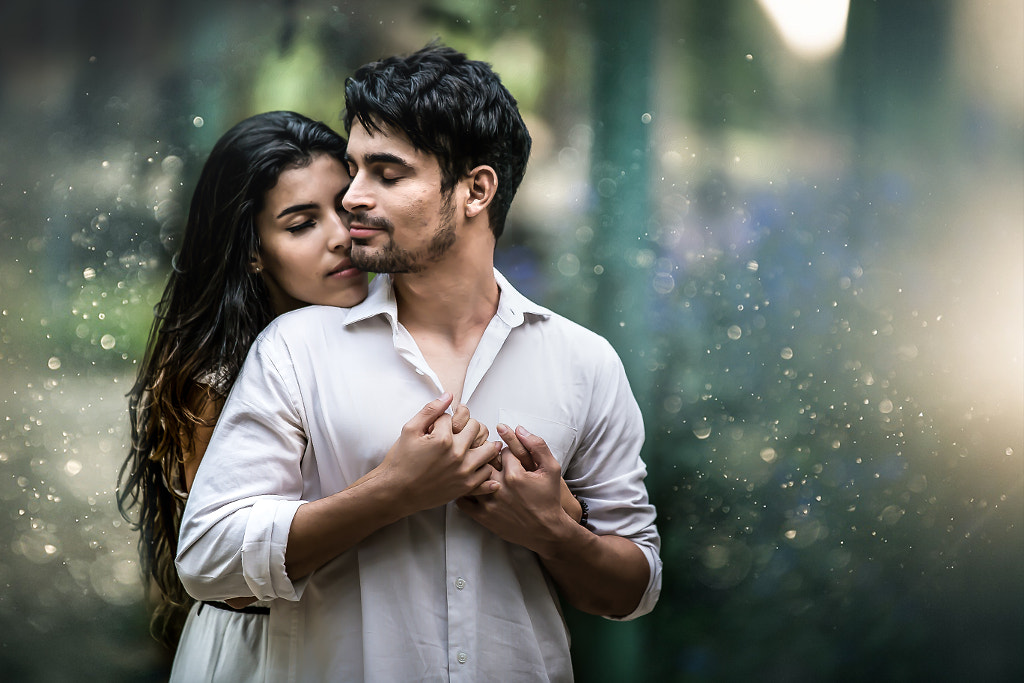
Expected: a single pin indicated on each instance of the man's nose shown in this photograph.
(357, 197)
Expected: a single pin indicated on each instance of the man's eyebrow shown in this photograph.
(296, 209)
(381, 158)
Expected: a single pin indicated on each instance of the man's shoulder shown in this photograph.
(555, 326)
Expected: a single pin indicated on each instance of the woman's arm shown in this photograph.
(209, 410)
(323, 529)
(429, 465)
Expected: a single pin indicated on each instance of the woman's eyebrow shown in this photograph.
(296, 209)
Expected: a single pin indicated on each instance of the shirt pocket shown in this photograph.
(560, 438)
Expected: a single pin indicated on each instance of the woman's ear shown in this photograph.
(256, 265)
(483, 183)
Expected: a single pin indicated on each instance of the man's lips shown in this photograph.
(362, 231)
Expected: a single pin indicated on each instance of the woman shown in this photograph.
(265, 235)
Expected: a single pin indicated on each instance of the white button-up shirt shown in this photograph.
(322, 397)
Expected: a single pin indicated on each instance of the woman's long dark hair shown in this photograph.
(212, 309)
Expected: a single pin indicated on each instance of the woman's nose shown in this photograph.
(339, 235)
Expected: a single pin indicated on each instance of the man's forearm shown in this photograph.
(602, 575)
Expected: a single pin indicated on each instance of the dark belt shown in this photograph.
(249, 609)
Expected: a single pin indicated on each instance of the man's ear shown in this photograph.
(482, 183)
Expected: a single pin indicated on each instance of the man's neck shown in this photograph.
(446, 308)
(452, 300)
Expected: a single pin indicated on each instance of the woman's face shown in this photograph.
(304, 240)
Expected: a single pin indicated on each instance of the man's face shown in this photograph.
(401, 222)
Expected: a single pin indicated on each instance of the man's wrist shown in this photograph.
(584, 511)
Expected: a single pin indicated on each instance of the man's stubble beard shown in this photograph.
(393, 259)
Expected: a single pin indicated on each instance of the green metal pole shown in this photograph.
(623, 252)
(623, 38)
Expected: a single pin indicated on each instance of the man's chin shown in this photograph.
(373, 261)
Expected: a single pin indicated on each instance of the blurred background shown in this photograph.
(799, 222)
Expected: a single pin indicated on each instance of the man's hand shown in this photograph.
(604, 575)
(569, 502)
(432, 464)
(526, 509)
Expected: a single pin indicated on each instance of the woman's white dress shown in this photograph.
(222, 646)
(219, 645)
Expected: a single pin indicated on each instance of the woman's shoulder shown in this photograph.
(216, 379)
(309, 322)
(311, 316)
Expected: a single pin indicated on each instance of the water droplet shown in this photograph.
(53, 363)
(89, 273)
(786, 353)
(569, 265)
(734, 332)
(172, 164)
(673, 404)
(72, 467)
(108, 341)
(198, 121)
(891, 514)
(918, 483)
(646, 118)
(702, 432)
(606, 187)
(663, 283)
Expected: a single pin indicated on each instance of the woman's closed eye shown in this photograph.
(301, 226)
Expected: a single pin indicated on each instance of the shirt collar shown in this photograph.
(512, 306)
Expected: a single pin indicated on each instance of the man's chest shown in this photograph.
(355, 412)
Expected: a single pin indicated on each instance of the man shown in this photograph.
(438, 559)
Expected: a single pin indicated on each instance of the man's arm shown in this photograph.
(605, 575)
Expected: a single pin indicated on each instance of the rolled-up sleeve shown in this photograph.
(235, 527)
(608, 472)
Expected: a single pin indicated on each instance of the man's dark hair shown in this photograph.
(450, 106)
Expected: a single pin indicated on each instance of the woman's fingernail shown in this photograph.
(521, 430)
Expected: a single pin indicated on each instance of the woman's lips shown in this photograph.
(345, 270)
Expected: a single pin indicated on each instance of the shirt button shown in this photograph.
(463, 658)
(460, 583)
(419, 372)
